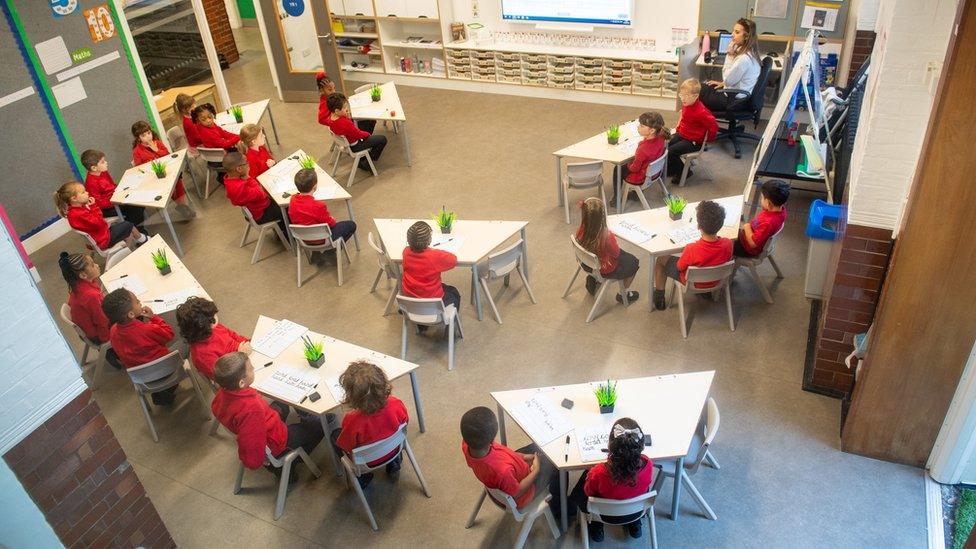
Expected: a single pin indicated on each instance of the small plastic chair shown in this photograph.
(177, 141)
(753, 263)
(526, 515)
(213, 155)
(159, 375)
(303, 234)
(342, 144)
(700, 452)
(695, 158)
(701, 275)
(250, 223)
(500, 265)
(659, 167)
(106, 253)
(388, 267)
(583, 175)
(429, 312)
(101, 348)
(357, 465)
(115, 258)
(284, 463)
(584, 257)
(601, 509)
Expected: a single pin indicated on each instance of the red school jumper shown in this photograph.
(101, 187)
(139, 342)
(608, 255)
(648, 150)
(697, 123)
(190, 130)
(248, 193)
(88, 219)
(422, 272)
(763, 226)
(359, 429)
(502, 468)
(257, 159)
(347, 128)
(204, 354)
(85, 302)
(142, 154)
(245, 413)
(215, 137)
(599, 483)
(702, 253)
(324, 112)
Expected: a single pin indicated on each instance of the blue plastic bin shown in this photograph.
(823, 224)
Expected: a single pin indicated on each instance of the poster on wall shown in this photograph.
(773, 9)
(100, 24)
(60, 8)
(820, 16)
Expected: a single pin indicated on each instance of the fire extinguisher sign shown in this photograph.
(100, 24)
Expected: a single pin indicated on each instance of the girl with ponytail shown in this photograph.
(85, 298)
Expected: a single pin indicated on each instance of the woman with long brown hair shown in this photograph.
(740, 71)
(595, 238)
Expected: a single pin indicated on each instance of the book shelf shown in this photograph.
(352, 34)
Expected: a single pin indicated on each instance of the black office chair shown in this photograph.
(744, 109)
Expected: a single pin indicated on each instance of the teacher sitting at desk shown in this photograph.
(740, 71)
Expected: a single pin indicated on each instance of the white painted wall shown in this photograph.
(40, 373)
(913, 36)
(953, 458)
(23, 524)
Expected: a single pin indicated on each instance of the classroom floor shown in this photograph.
(783, 481)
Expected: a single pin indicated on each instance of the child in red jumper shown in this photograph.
(184, 106)
(375, 414)
(519, 474)
(626, 474)
(208, 339)
(85, 299)
(74, 204)
(101, 187)
(252, 146)
(257, 425)
(243, 190)
(326, 88)
(594, 236)
(423, 265)
(341, 124)
(304, 209)
(709, 251)
(695, 124)
(138, 336)
(654, 138)
(754, 234)
(211, 135)
(146, 147)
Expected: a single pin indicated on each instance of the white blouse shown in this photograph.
(740, 73)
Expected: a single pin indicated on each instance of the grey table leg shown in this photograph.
(477, 290)
(406, 142)
(559, 180)
(330, 450)
(563, 481)
(172, 231)
(355, 235)
(617, 185)
(679, 465)
(501, 425)
(416, 401)
(273, 128)
(525, 254)
(284, 215)
(650, 284)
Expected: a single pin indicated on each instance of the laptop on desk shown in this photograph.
(724, 41)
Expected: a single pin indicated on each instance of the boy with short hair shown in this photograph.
(695, 124)
(518, 474)
(138, 335)
(101, 187)
(754, 234)
(708, 251)
(245, 191)
(244, 412)
(304, 209)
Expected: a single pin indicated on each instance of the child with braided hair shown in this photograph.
(423, 265)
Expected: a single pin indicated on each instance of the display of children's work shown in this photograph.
(541, 419)
(278, 338)
(290, 383)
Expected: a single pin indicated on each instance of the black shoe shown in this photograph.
(365, 480)
(363, 165)
(631, 297)
(707, 296)
(634, 529)
(596, 531)
(393, 469)
(659, 302)
(422, 328)
(591, 285)
(164, 398)
(276, 471)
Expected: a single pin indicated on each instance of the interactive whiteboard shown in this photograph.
(591, 12)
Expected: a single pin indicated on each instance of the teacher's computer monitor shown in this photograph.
(724, 40)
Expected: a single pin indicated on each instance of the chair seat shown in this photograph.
(749, 261)
(667, 466)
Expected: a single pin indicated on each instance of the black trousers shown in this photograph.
(306, 434)
(133, 214)
(577, 500)
(343, 230)
(273, 213)
(715, 100)
(677, 147)
(451, 296)
(375, 144)
(366, 125)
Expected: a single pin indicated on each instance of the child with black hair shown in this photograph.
(78, 207)
(210, 134)
(243, 190)
(708, 251)
(423, 265)
(304, 209)
(626, 474)
(146, 147)
(208, 339)
(376, 414)
(340, 122)
(754, 234)
(138, 336)
(85, 299)
(517, 473)
(257, 425)
(326, 88)
(101, 187)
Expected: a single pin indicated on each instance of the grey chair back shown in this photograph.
(587, 258)
(176, 137)
(374, 451)
(658, 168)
(702, 275)
(505, 261)
(311, 233)
(159, 374)
(383, 258)
(115, 258)
(427, 311)
(584, 175)
(707, 428)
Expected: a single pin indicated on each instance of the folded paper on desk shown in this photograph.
(173, 300)
(369, 112)
(130, 282)
(448, 243)
(278, 338)
(633, 231)
(360, 100)
(233, 128)
(685, 235)
(541, 420)
(289, 383)
(628, 146)
(733, 210)
(142, 196)
(131, 180)
(592, 441)
(283, 185)
(338, 393)
(224, 119)
(325, 191)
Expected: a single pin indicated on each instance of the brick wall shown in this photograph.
(220, 29)
(75, 471)
(863, 45)
(859, 261)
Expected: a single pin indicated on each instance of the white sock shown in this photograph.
(142, 238)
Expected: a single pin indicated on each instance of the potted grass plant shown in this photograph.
(158, 168)
(307, 162)
(313, 352)
(445, 220)
(238, 113)
(161, 262)
(676, 206)
(375, 92)
(613, 134)
(606, 396)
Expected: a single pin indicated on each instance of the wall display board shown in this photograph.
(590, 12)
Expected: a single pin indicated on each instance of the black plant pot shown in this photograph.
(165, 270)
(675, 216)
(161, 175)
(317, 363)
(239, 118)
(446, 230)
(606, 409)
(613, 140)
(376, 98)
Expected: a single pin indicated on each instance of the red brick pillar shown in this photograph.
(78, 476)
(863, 46)
(220, 29)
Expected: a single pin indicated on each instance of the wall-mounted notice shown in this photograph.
(100, 24)
(60, 8)
(774, 9)
(16, 96)
(53, 55)
(820, 16)
(70, 92)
